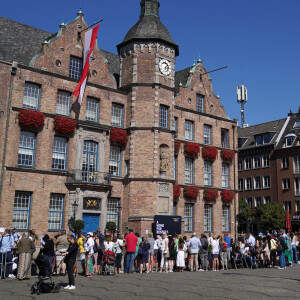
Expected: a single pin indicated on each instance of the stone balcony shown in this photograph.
(84, 178)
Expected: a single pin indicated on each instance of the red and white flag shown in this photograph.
(89, 44)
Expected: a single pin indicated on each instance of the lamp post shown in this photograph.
(74, 208)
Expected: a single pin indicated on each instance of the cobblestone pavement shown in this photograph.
(231, 284)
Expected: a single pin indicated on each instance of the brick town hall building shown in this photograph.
(142, 132)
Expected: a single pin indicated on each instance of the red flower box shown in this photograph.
(31, 119)
(118, 137)
(64, 125)
(210, 194)
(227, 195)
(191, 149)
(191, 192)
(177, 145)
(227, 155)
(176, 191)
(209, 153)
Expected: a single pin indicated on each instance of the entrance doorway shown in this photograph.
(91, 222)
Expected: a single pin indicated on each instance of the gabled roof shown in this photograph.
(182, 77)
(289, 130)
(247, 135)
(20, 42)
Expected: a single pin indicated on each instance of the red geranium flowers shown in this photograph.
(191, 149)
(118, 137)
(64, 125)
(32, 119)
(209, 153)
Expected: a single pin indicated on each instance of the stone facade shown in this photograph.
(137, 183)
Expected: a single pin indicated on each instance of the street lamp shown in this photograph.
(74, 207)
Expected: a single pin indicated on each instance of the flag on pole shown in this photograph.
(89, 44)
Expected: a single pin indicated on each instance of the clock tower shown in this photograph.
(147, 56)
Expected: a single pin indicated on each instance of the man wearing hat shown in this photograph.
(227, 240)
(194, 245)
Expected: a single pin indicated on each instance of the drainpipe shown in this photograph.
(13, 72)
(234, 172)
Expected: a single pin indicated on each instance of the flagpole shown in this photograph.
(91, 26)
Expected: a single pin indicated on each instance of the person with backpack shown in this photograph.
(204, 252)
(280, 250)
(6, 244)
(223, 253)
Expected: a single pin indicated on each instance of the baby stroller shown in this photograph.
(108, 263)
(45, 274)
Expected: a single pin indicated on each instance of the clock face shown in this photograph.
(165, 67)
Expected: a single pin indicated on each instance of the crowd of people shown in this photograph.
(132, 253)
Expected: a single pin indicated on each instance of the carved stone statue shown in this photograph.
(164, 162)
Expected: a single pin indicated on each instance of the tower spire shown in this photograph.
(150, 8)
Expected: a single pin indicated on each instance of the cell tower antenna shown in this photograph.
(242, 98)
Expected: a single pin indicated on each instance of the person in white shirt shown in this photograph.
(16, 236)
(118, 244)
(89, 251)
(215, 250)
(164, 250)
(108, 244)
(157, 254)
(251, 240)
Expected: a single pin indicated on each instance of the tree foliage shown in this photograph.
(246, 215)
(271, 215)
(111, 226)
(78, 225)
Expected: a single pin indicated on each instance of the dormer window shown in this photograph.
(297, 124)
(262, 139)
(289, 139)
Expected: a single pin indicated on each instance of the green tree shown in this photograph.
(271, 215)
(78, 225)
(246, 214)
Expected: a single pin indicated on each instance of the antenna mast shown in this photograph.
(242, 98)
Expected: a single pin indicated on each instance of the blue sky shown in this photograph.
(257, 39)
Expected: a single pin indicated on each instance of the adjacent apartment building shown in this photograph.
(142, 132)
(268, 164)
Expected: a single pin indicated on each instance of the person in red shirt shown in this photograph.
(131, 243)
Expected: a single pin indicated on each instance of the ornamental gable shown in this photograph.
(195, 82)
(67, 44)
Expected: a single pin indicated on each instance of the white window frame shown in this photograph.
(241, 184)
(257, 183)
(248, 184)
(256, 200)
(63, 103)
(297, 165)
(266, 161)
(91, 111)
(265, 199)
(264, 182)
(247, 163)
(256, 162)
